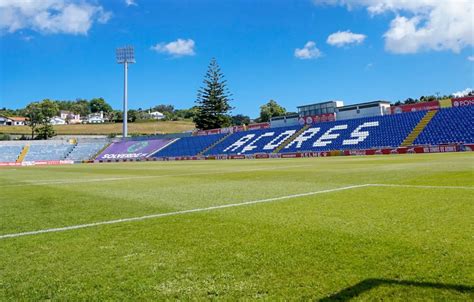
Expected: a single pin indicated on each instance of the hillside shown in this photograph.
(138, 128)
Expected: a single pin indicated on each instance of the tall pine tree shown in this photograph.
(213, 99)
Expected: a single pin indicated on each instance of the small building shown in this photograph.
(376, 108)
(319, 108)
(284, 120)
(70, 117)
(12, 120)
(56, 120)
(318, 112)
(156, 115)
(95, 118)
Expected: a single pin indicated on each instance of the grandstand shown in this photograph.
(53, 150)
(86, 149)
(9, 153)
(254, 141)
(363, 133)
(451, 125)
(189, 146)
(48, 150)
(441, 126)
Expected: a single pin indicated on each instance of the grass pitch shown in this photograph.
(366, 243)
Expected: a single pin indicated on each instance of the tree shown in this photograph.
(115, 116)
(39, 115)
(81, 107)
(163, 108)
(98, 105)
(269, 110)
(213, 99)
(240, 119)
(45, 131)
(33, 115)
(132, 115)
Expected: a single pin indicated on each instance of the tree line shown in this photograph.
(428, 98)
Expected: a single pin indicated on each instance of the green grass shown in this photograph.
(369, 243)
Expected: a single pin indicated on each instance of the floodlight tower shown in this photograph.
(125, 55)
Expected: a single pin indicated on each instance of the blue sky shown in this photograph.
(272, 49)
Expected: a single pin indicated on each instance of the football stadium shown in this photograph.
(336, 201)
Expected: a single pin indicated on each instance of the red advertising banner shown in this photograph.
(37, 163)
(415, 107)
(467, 147)
(464, 101)
(9, 164)
(258, 126)
(313, 119)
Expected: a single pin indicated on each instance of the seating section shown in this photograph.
(450, 125)
(188, 146)
(48, 151)
(86, 150)
(9, 153)
(255, 141)
(363, 133)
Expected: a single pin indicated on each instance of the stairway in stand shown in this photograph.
(23, 153)
(214, 144)
(410, 139)
(290, 139)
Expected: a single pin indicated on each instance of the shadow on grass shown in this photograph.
(353, 291)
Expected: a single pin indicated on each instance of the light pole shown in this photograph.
(125, 55)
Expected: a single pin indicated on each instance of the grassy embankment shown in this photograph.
(133, 128)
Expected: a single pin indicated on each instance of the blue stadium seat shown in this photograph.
(9, 153)
(48, 151)
(85, 150)
(362, 133)
(449, 125)
(188, 146)
(254, 141)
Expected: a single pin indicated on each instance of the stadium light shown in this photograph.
(125, 55)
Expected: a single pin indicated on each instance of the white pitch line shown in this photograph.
(88, 225)
(59, 182)
(422, 186)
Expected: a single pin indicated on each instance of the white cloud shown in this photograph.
(342, 38)
(178, 48)
(421, 25)
(131, 3)
(309, 51)
(462, 93)
(470, 58)
(50, 16)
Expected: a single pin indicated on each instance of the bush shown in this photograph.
(4, 137)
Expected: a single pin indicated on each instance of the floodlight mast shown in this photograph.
(125, 55)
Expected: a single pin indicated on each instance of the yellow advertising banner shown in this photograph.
(445, 103)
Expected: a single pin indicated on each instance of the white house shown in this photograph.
(95, 118)
(70, 117)
(56, 120)
(12, 120)
(156, 115)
